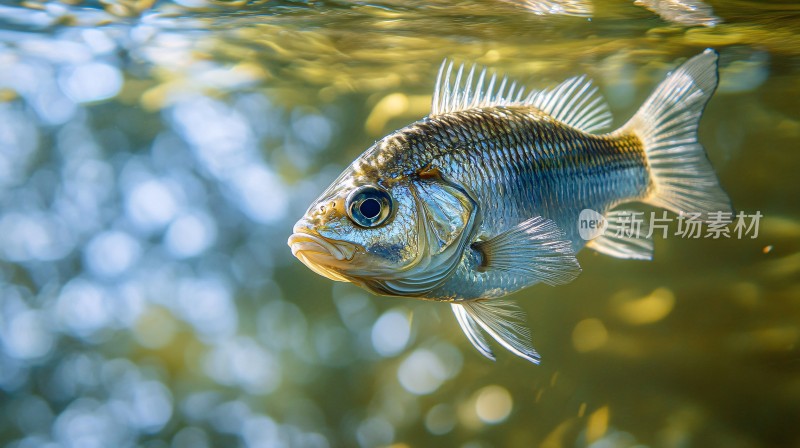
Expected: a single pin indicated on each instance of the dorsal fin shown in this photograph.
(452, 96)
(574, 102)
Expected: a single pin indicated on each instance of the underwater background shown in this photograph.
(154, 156)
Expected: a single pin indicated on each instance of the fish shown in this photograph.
(482, 197)
(681, 12)
(577, 8)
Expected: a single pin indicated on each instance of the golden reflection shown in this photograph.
(557, 438)
(645, 310)
(597, 425)
(589, 334)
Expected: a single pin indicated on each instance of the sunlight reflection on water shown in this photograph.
(123, 216)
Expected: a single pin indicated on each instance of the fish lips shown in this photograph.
(321, 255)
(302, 242)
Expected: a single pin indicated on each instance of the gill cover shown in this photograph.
(447, 217)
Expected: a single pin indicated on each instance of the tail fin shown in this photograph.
(683, 179)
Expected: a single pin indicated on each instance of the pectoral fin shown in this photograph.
(502, 320)
(535, 250)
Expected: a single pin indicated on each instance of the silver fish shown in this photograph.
(482, 197)
(579, 8)
(682, 12)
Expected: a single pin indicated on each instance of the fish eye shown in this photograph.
(369, 206)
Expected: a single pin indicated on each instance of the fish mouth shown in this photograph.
(320, 255)
(302, 241)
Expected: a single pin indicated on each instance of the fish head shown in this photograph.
(398, 235)
(357, 228)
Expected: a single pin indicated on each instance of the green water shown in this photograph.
(153, 158)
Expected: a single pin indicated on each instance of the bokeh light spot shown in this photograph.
(27, 335)
(111, 253)
(589, 334)
(151, 204)
(649, 309)
(440, 419)
(422, 372)
(93, 81)
(391, 332)
(191, 234)
(493, 404)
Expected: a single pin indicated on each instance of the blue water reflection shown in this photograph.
(126, 235)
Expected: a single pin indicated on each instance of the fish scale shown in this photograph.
(529, 165)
